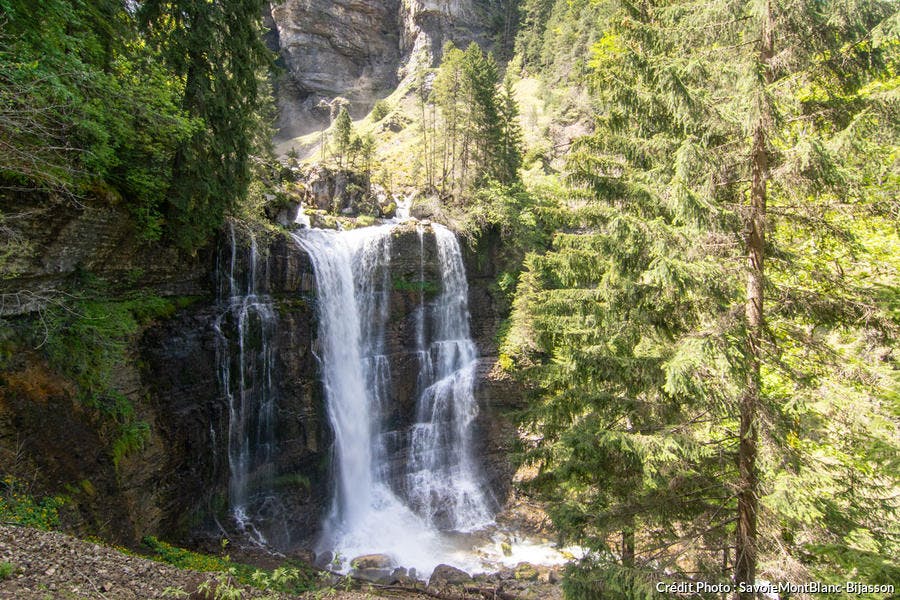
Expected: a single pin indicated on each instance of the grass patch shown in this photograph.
(293, 577)
(7, 570)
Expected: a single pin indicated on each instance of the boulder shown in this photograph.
(444, 575)
(304, 555)
(372, 561)
(323, 560)
(379, 576)
(525, 572)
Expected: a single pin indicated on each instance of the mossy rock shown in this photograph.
(525, 572)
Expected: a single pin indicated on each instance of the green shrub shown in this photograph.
(88, 342)
(291, 577)
(380, 110)
(7, 570)
(20, 507)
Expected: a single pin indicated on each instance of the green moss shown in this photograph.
(365, 220)
(402, 284)
(292, 481)
(132, 438)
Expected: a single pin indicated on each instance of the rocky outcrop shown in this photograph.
(175, 484)
(182, 356)
(361, 49)
(64, 243)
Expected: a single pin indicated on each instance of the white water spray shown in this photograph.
(440, 487)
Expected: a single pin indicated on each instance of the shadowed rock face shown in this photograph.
(192, 415)
(176, 486)
(361, 49)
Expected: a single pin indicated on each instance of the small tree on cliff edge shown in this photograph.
(343, 133)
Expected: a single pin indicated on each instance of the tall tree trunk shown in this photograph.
(746, 543)
(628, 545)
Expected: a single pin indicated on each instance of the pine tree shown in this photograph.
(711, 112)
(343, 134)
(509, 149)
(448, 95)
(218, 50)
(481, 135)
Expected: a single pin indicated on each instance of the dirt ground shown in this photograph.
(50, 565)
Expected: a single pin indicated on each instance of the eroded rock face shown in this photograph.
(176, 485)
(361, 49)
(63, 241)
(182, 358)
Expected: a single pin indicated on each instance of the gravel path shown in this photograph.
(50, 565)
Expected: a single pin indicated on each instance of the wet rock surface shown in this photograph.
(176, 485)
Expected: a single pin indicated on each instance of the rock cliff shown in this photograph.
(175, 485)
(361, 49)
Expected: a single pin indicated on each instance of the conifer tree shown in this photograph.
(218, 50)
(703, 105)
(343, 133)
(509, 149)
(481, 134)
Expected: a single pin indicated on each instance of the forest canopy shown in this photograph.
(709, 335)
(155, 105)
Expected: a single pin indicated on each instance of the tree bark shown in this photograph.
(628, 546)
(746, 543)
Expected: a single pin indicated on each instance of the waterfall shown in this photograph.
(245, 329)
(439, 488)
(441, 481)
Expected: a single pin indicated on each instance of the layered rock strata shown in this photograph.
(361, 49)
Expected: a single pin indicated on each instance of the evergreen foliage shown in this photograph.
(343, 131)
(217, 48)
(161, 112)
(86, 107)
(477, 137)
(724, 129)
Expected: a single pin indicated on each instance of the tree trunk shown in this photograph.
(746, 543)
(628, 546)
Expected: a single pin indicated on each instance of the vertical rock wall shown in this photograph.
(176, 485)
(361, 49)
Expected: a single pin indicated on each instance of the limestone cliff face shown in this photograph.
(362, 49)
(181, 358)
(63, 240)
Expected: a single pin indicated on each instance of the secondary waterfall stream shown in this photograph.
(379, 505)
(244, 329)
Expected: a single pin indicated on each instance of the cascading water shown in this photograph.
(438, 488)
(441, 480)
(245, 355)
